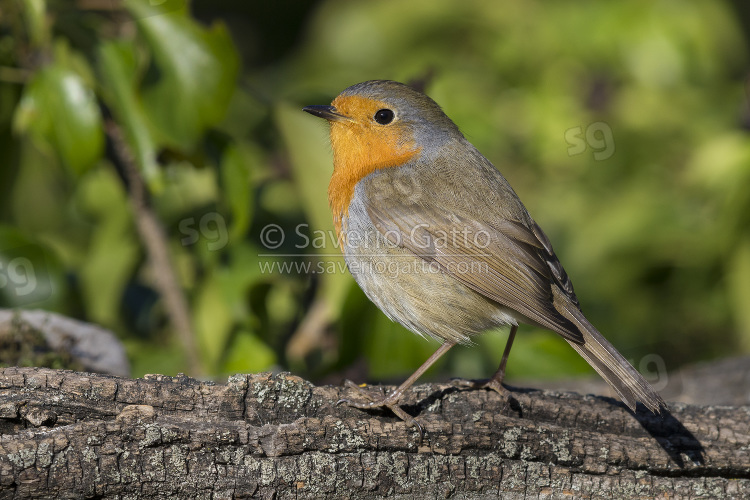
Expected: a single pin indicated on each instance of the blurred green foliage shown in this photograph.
(623, 126)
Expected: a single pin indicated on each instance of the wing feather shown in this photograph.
(504, 262)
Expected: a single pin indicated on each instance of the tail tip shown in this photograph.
(655, 405)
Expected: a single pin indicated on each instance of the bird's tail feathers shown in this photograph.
(608, 362)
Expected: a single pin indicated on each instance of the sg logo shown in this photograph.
(211, 226)
(598, 136)
(24, 276)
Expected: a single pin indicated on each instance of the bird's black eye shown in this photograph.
(384, 116)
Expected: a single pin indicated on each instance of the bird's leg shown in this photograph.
(392, 399)
(496, 381)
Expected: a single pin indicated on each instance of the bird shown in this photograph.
(437, 238)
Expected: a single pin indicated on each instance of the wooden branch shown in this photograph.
(75, 435)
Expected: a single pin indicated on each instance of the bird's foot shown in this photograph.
(494, 384)
(389, 401)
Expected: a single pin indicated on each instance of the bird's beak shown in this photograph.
(327, 112)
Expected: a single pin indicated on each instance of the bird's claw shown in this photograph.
(386, 401)
(488, 383)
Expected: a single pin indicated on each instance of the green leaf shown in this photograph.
(235, 176)
(117, 65)
(189, 189)
(193, 75)
(30, 273)
(248, 354)
(112, 251)
(168, 356)
(59, 112)
(220, 307)
(212, 317)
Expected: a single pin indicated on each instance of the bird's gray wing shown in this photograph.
(504, 260)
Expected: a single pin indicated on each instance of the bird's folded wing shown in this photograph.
(505, 261)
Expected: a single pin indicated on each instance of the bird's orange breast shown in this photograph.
(360, 147)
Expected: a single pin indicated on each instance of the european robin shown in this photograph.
(439, 241)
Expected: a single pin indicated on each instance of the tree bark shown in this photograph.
(66, 434)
